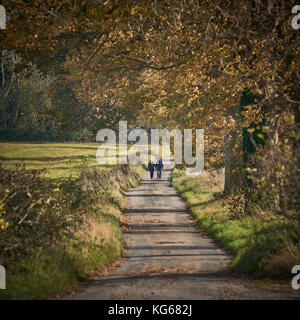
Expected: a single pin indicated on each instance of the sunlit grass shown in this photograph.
(60, 160)
(254, 242)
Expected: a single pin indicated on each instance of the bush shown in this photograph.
(33, 212)
(274, 179)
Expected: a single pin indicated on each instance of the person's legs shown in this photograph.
(159, 174)
(151, 174)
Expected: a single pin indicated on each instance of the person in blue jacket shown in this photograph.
(159, 166)
(151, 167)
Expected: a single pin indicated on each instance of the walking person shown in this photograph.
(159, 166)
(151, 167)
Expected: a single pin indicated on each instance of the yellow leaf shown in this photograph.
(261, 136)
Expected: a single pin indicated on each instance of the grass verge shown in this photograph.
(262, 246)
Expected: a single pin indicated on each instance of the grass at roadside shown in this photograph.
(261, 246)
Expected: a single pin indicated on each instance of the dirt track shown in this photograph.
(168, 258)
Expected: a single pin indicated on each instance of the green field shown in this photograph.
(61, 160)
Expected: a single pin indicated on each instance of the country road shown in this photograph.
(167, 257)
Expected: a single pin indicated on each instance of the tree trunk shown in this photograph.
(232, 159)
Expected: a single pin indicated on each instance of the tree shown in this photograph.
(178, 63)
(10, 81)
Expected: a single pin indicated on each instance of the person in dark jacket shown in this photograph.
(159, 166)
(151, 167)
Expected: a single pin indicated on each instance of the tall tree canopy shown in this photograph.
(177, 63)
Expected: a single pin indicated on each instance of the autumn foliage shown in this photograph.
(174, 64)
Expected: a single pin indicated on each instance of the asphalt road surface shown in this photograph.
(167, 257)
